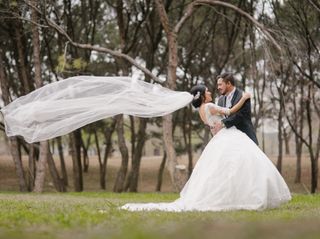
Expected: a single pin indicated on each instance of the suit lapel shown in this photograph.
(234, 97)
(224, 101)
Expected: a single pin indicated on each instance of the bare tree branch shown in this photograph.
(163, 16)
(186, 15)
(190, 9)
(96, 48)
(102, 49)
(262, 28)
(315, 4)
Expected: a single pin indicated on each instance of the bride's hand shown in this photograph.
(246, 95)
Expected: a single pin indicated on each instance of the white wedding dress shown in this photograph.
(232, 173)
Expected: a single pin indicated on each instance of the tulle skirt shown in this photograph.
(232, 173)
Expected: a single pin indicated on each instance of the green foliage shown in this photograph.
(77, 64)
(62, 64)
(96, 215)
(13, 3)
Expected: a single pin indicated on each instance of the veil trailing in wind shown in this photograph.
(63, 106)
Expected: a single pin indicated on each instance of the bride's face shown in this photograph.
(208, 96)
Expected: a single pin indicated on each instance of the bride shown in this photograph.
(232, 172)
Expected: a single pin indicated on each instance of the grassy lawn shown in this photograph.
(95, 215)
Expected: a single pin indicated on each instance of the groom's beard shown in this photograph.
(226, 92)
(223, 93)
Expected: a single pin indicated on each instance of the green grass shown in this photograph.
(95, 215)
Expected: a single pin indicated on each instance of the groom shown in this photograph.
(230, 95)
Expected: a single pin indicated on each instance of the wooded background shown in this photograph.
(272, 47)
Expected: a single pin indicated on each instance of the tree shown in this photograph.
(13, 142)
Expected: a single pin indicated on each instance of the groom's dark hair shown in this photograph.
(227, 77)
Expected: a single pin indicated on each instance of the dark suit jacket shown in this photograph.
(241, 119)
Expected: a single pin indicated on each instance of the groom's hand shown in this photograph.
(216, 127)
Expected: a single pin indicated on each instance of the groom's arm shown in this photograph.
(239, 117)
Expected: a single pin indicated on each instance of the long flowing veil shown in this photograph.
(63, 106)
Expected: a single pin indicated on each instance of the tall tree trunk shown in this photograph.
(41, 168)
(62, 162)
(13, 142)
(32, 167)
(190, 158)
(299, 125)
(286, 137)
(178, 176)
(102, 165)
(85, 154)
(314, 171)
(186, 129)
(85, 157)
(76, 160)
(133, 178)
(263, 138)
(298, 162)
(44, 146)
(314, 160)
(22, 68)
(120, 180)
(280, 140)
(108, 141)
(18, 164)
(52, 150)
(133, 134)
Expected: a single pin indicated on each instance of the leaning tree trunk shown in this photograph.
(57, 181)
(13, 144)
(160, 173)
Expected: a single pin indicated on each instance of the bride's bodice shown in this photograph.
(212, 119)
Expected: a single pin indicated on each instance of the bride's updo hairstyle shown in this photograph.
(198, 92)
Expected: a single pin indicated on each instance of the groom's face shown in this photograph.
(222, 86)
